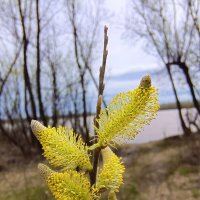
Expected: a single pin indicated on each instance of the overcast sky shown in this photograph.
(124, 56)
(128, 62)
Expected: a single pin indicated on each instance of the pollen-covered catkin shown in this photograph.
(127, 114)
(111, 175)
(124, 117)
(69, 185)
(63, 148)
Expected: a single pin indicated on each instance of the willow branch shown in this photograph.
(98, 107)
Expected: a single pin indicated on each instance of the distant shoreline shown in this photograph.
(169, 106)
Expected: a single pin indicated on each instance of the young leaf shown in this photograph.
(112, 196)
(44, 171)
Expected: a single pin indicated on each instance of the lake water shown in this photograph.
(166, 124)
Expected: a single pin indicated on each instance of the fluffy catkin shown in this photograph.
(69, 185)
(111, 175)
(127, 114)
(62, 148)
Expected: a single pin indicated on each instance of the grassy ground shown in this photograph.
(162, 170)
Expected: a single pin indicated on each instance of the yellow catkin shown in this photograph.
(111, 175)
(63, 148)
(127, 114)
(69, 185)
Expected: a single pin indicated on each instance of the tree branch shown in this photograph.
(98, 107)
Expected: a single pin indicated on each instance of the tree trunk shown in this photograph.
(186, 130)
(84, 109)
(82, 75)
(26, 74)
(27, 82)
(55, 95)
(184, 67)
(38, 71)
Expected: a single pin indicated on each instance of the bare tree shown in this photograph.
(3, 79)
(84, 41)
(27, 82)
(168, 27)
(46, 65)
(194, 6)
(38, 61)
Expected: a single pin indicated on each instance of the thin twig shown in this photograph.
(98, 107)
